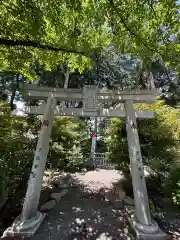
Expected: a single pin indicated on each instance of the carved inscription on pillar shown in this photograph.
(138, 156)
(139, 164)
(33, 175)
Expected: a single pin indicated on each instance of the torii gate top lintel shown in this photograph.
(92, 99)
(33, 91)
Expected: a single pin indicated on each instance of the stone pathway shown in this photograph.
(84, 214)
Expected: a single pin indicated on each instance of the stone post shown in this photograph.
(95, 129)
(142, 219)
(93, 150)
(90, 104)
(93, 145)
(31, 218)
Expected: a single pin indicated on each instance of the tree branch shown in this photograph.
(127, 28)
(34, 44)
(151, 6)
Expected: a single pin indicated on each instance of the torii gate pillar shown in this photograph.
(30, 219)
(141, 221)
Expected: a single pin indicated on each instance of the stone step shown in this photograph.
(57, 196)
(48, 206)
(129, 201)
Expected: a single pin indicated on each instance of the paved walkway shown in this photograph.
(84, 214)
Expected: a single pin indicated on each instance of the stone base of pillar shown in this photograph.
(24, 229)
(144, 232)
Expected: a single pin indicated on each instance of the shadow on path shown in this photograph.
(84, 214)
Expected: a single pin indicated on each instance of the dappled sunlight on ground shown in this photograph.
(77, 217)
(84, 214)
(101, 178)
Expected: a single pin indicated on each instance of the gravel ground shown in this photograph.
(82, 214)
(95, 180)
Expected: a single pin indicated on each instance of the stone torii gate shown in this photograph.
(92, 98)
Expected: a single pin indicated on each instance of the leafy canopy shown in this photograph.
(53, 30)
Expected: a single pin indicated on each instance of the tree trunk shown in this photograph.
(3, 197)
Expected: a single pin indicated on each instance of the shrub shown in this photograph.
(16, 147)
(18, 139)
(159, 139)
(176, 194)
(69, 143)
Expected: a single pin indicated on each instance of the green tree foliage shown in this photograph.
(162, 132)
(54, 30)
(111, 69)
(168, 80)
(159, 139)
(161, 135)
(16, 146)
(67, 149)
(18, 139)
